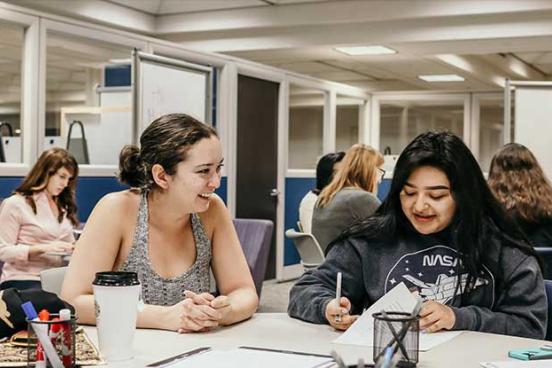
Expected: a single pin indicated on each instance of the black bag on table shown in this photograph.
(12, 317)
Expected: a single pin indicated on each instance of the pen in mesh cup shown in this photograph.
(337, 317)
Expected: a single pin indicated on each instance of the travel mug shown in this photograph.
(116, 301)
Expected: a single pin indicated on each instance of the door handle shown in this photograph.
(274, 192)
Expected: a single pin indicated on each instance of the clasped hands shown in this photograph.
(202, 312)
(434, 316)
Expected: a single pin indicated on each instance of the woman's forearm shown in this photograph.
(152, 316)
(243, 303)
(84, 308)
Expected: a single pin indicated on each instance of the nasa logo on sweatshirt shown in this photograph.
(434, 273)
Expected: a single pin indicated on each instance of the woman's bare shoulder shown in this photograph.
(217, 210)
(120, 202)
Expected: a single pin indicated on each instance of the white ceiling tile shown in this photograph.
(340, 76)
(188, 6)
(148, 6)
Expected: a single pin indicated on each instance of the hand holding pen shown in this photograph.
(337, 310)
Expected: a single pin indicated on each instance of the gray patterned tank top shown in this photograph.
(158, 290)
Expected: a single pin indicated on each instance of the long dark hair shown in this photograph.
(519, 183)
(478, 214)
(49, 162)
(165, 142)
(325, 169)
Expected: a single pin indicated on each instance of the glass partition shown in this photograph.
(402, 120)
(11, 51)
(347, 122)
(491, 130)
(88, 98)
(306, 121)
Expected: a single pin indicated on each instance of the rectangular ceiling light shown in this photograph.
(441, 78)
(366, 50)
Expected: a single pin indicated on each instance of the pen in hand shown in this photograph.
(337, 317)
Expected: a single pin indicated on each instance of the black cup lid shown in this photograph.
(116, 279)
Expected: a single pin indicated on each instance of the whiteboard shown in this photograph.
(163, 86)
(533, 123)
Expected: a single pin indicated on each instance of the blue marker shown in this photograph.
(388, 356)
(42, 335)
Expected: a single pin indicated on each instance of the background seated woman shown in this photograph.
(519, 183)
(38, 219)
(441, 232)
(325, 169)
(350, 196)
(170, 228)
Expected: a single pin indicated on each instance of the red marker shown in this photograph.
(54, 331)
(66, 340)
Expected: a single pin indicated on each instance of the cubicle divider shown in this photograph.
(8, 184)
(90, 189)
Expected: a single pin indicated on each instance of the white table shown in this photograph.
(277, 330)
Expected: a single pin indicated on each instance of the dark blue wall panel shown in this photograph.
(296, 188)
(383, 189)
(222, 191)
(89, 190)
(117, 75)
(8, 184)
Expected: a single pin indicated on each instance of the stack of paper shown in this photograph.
(252, 358)
(398, 299)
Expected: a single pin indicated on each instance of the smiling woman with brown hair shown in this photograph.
(171, 229)
(519, 183)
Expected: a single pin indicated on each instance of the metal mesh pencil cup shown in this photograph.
(400, 331)
(61, 334)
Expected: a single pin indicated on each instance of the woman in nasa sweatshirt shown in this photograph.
(442, 233)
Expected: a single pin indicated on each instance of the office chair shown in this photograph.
(309, 250)
(255, 238)
(548, 289)
(545, 254)
(52, 279)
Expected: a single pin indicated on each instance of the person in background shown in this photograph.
(38, 220)
(519, 183)
(171, 229)
(350, 196)
(442, 233)
(325, 169)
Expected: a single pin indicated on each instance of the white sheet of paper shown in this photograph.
(518, 364)
(246, 358)
(398, 299)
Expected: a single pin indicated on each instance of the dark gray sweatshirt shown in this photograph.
(509, 296)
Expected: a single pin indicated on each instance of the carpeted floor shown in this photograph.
(274, 296)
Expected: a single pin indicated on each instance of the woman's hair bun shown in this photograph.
(131, 166)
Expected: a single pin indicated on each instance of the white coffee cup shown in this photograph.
(116, 301)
